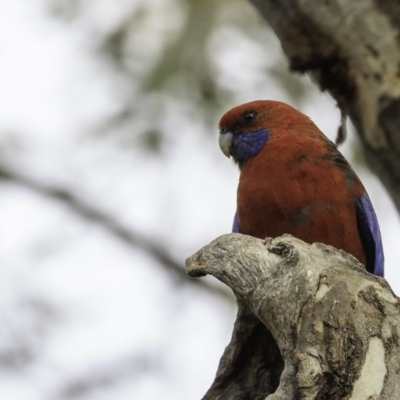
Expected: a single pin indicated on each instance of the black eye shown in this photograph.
(249, 116)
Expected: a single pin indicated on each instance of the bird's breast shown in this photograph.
(296, 190)
(268, 199)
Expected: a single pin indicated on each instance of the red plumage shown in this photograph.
(297, 182)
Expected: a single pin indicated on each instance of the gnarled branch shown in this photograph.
(312, 323)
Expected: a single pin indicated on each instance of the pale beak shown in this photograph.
(225, 142)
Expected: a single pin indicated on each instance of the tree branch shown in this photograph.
(351, 49)
(312, 322)
(90, 213)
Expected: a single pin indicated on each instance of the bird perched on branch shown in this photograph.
(293, 179)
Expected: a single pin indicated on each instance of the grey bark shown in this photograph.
(351, 49)
(311, 323)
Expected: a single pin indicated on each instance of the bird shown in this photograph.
(294, 180)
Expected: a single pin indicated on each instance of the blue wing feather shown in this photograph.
(235, 226)
(370, 234)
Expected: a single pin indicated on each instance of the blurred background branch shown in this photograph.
(91, 214)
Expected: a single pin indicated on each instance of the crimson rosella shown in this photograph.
(293, 179)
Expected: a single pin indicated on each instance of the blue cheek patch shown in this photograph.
(248, 144)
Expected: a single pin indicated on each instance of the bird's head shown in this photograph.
(244, 130)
